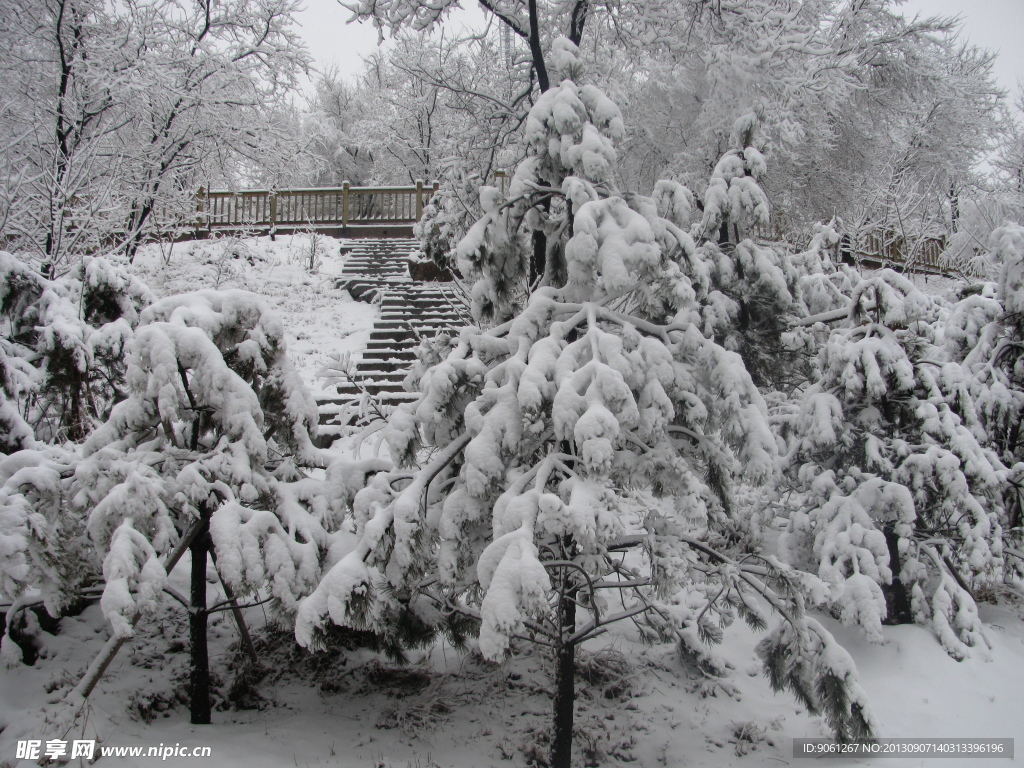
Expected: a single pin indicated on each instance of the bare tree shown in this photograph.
(114, 114)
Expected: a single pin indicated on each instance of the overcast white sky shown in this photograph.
(994, 24)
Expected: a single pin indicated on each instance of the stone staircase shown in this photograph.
(409, 312)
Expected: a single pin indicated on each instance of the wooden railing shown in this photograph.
(891, 249)
(293, 208)
(925, 253)
(879, 248)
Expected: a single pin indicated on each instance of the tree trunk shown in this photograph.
(954, 206)
(199, 682)
(536, 49)
(565, 687)
(539, 257)
(897, 602)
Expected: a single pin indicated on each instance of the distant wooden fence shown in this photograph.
(889, 249)
(877, 248)
(315, 207)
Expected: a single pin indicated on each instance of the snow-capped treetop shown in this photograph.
(1007, 246)
(569, 161)
(564, 60)
(733, 196)
(571, 131)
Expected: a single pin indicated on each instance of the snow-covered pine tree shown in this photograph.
(62, 344)
(985, 332)
(902, 503)
(585, 444)
(208, 445)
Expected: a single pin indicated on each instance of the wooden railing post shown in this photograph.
(200, 200)
(419, 199)
(273, 215)
(344, 206)
(499, 177)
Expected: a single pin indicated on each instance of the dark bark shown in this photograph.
(199, 682)
(897, 601)
(536, 50)
(565, 686)
(954, 206)
(539, 257)
(578, 21)
(136, 226)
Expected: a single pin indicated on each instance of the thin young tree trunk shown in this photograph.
(236, 611)
(539, 258)
(199, 683)
(565, 687)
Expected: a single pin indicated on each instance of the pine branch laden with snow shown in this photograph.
(599, 421)
(216, 423)
(734, 202)
(902, 507)
(63, 343)
(43, 539)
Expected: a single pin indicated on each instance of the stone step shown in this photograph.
(386, 344)
(396, 334)
(396, 358)
(422, 327)
(385, 383)
(393, 310)
(371, 387)
(392, 321)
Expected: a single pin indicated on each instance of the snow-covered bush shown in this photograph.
(452, 210)
(214, 432)
(62, 346)
(902, 502)
(216, 424)
(588, 443)
(44, 546)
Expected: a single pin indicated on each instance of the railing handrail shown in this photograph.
(314, 190)
(315, 206)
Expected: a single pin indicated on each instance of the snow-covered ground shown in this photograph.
(447, 708)
(638, 705)
(322, 322)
